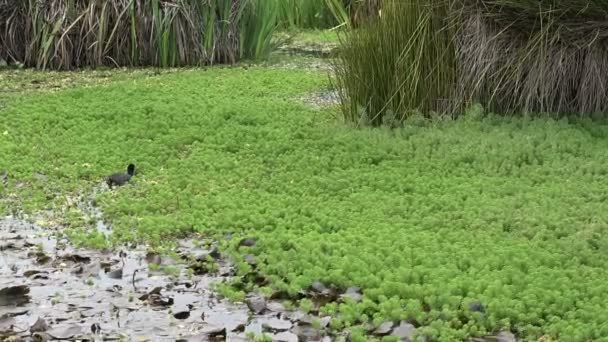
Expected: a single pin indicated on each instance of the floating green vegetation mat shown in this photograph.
(505, 216)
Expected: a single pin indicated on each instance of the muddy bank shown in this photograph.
(51, 291)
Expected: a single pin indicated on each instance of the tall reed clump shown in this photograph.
(402, 62)
(307, 13)
(67, 34)
(535, 56)
(322, 14)
(512, 56)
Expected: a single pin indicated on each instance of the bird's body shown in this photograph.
(121, 178)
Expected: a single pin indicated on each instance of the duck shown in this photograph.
(121, 178)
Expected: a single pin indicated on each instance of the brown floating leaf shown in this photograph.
(256, 303)
(41, 337)
(154, 291)
(239, 328)
(275, 325)
(39, 326)
(353, 293)
(66, 331)
(42, 258)
(77, 258)
(503, 336)
(276, 307)
(30, 273)
(158, 300)
(477, 306)
(306, 332)
(207, 334)
(318, 287)
(6, 327)
(285, 336)
(153, 258)
(250, 259)
(405, 331)
(215, 332)
(116, 274)
(384, 329)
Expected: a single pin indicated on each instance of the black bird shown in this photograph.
(121, 178)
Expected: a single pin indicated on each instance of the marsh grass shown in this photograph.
(325, 14)
(442, 56)
(398, 65)
(68, 34)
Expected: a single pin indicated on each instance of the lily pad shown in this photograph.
(66, 332)
(285, 336)
(39, 325)
(256, 303)
(384, 329)
(405, 331)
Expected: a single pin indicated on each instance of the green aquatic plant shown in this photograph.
(468, 226)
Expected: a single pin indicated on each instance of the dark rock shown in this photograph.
(477, 307)
(182, 314)
(95, 328)
(405, 331)
(384, 329)
(256, 303)
(247, 242)
(14, 295)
